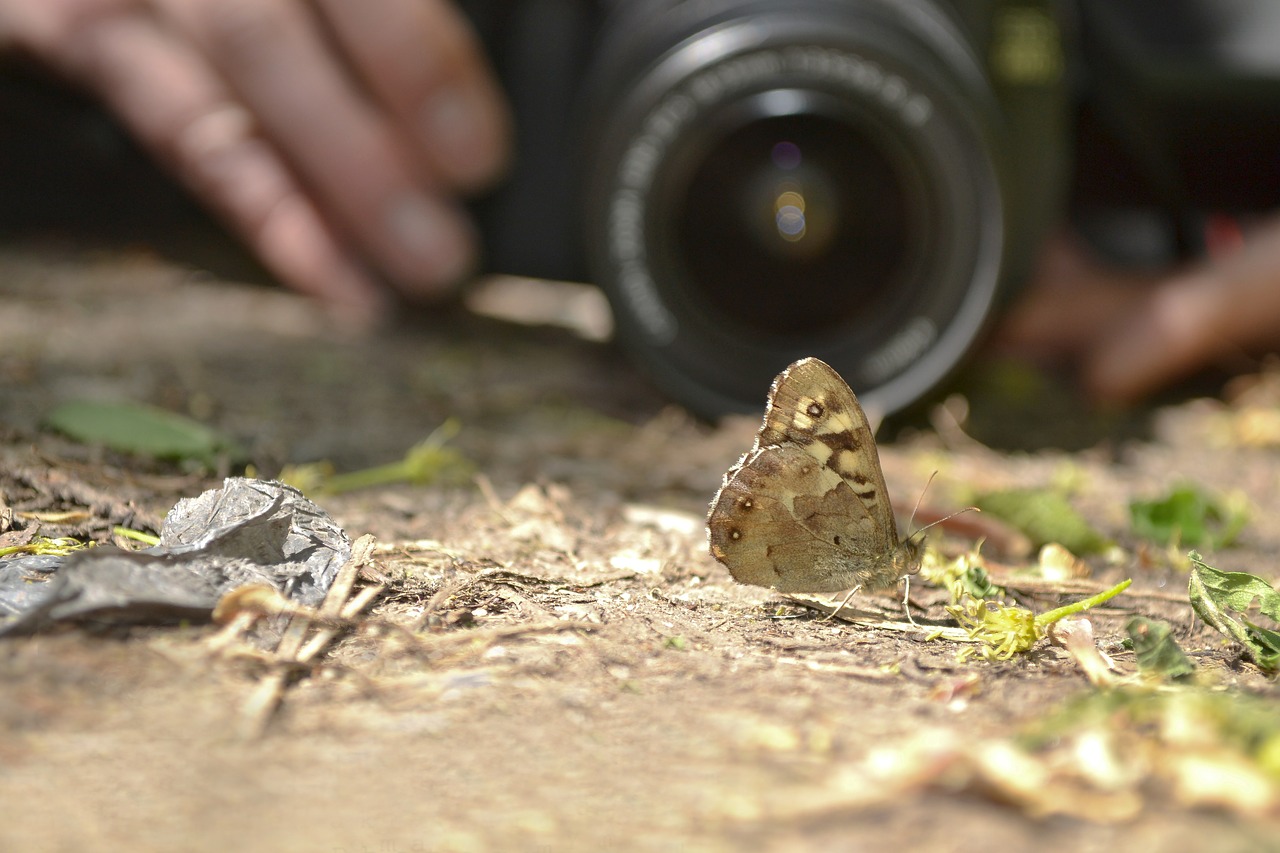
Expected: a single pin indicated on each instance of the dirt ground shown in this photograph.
(571, 670)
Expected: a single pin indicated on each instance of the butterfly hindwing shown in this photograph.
(784, 520)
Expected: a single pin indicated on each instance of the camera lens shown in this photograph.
(769, 183)
(819, 214)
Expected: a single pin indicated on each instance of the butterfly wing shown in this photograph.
(783, 519)
(811, 406)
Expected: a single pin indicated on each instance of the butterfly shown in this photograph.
(806, 509)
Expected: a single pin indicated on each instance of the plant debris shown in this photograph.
(1045, 516)
(1006, 630)
(427, 462)
(1157, 653)
(1189, 516)
(294, 649)
(1216, 595)
(137, 428)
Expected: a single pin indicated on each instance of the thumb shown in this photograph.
(1166, 337)
(1204, 314)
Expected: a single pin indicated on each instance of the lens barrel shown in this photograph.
(772, 181)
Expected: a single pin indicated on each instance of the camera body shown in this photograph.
(753, 181)
(1178, 116)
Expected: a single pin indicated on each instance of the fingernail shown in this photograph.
(434, 237)
(453, 126)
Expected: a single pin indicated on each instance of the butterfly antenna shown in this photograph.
(916, 508)
(906, 593)
(944, 518)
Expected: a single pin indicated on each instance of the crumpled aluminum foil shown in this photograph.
(249, 531)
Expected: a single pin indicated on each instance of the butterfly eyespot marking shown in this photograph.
(735, 534)
(837, 540)
(814, 409)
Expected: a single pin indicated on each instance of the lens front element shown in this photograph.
(798, 225)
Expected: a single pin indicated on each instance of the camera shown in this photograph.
(752, 181)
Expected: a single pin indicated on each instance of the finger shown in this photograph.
(176, 107)
(1208, 314)
(422, 61)
(43, 28)
(273, 55)
(1069, 302)
(1165, 340)
(1064, 318)
(225, 162)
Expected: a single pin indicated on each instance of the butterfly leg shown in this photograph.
(833, 613)
(906, 600)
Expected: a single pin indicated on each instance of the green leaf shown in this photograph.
(1266, 638)
(1044, 516)
(138, 428)
(1156, 651)
(1189, 516)
(1237, 590)
(976, 583)
(428, 461)
(1215, 594)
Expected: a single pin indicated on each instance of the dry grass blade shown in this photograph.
(1076, 586)
(482, 637)
(291, 650)
(325, 636)
(867, 619)
(447, 590)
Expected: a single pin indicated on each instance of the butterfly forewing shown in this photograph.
(812, 406)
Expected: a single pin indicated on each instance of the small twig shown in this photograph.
(490, 495)
(511, 577)
(847, 614)
(266, 698)
(411, 546)
(869, 672)
(269, 694)
(1079, 586)
(447, 590)
(322, 639)
(487, 635)
(338, 594)
(240, 623)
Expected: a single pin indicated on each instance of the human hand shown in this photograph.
(1135, 333)
(327, 133)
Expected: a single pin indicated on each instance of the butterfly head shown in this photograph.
(908, 555)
